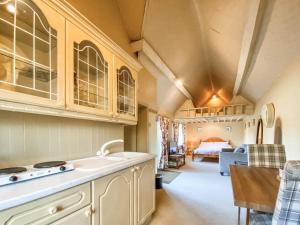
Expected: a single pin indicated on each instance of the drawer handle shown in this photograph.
(52, 210)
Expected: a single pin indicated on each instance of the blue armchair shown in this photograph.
(230, 157)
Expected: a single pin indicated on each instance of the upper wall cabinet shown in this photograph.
(125, 91)
(32, 53)
(54, 61)
(89, 73)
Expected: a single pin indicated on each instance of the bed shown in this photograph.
(210, 148)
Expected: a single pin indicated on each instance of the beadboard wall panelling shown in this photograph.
(28, 138)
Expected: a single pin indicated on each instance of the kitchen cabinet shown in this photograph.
(54, 61)
(32, 53)
(50, 209)
(144, 191)
(89, 73)
(113, 199)
(126, 197)
(80, 217)
(125, 91)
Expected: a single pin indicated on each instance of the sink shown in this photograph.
(98, 163)
(127, 155)
(95, 163)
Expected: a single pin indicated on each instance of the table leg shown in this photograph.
(239, 215)
(248, 217)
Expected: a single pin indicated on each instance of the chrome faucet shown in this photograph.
(103, 151)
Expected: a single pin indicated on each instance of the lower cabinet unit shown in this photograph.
(126, 197)
(113, 199)
(144, 191)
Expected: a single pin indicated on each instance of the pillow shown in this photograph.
(239, 149)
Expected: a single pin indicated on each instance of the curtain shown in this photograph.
(164, 126)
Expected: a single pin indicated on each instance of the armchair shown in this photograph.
(288, 201)
(230, 157)
(176, 156)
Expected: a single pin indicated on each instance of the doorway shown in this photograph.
(260, 132)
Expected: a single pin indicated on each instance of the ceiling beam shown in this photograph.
(248, 44)
(143, 46)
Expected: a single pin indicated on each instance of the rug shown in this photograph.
(168, 175)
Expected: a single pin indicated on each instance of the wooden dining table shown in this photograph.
(254, 188)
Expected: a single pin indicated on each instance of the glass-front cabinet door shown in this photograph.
(32, 53)
(126, 91)
(88, 74)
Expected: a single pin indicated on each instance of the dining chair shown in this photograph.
(287, 209)
(266, 155)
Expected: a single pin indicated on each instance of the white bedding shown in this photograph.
(211, 147)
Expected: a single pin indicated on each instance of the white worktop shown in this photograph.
(20, 193)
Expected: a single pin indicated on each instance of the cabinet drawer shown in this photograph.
(48, 209)
(80, 217)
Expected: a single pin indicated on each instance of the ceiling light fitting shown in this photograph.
(11, 8)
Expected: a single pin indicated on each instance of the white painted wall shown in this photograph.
(285, 94)
(201, 131)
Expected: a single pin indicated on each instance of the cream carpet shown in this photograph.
(199, 196)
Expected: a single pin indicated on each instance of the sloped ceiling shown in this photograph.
(198, 39)
(201, 42)
(132, 12)
(172, 28)
(278, 46)
(224, 24)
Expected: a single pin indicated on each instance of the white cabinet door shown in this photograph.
(32, 53)
(89, 73)
(113, 199)
(81, 217)
(144, 191)
(125, 91)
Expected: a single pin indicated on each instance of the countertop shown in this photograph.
(16, 194)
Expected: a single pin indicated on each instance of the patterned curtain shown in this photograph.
(164, 126)
(176, 133)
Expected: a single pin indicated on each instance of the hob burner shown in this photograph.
(11, 170)
(49, 164)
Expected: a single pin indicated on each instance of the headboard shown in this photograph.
(214, 139)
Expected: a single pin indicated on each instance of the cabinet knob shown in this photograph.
(52, 210)
(88, 213)
(132, 170)
(137, 168)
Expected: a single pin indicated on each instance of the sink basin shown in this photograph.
(127, 155)
(95, 163)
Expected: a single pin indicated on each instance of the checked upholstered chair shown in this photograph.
(266, 155)
(287, 210)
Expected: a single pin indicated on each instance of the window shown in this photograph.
(180, 135)
(126, 91)
(158, 143)
(90, 76)
(28, 50)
